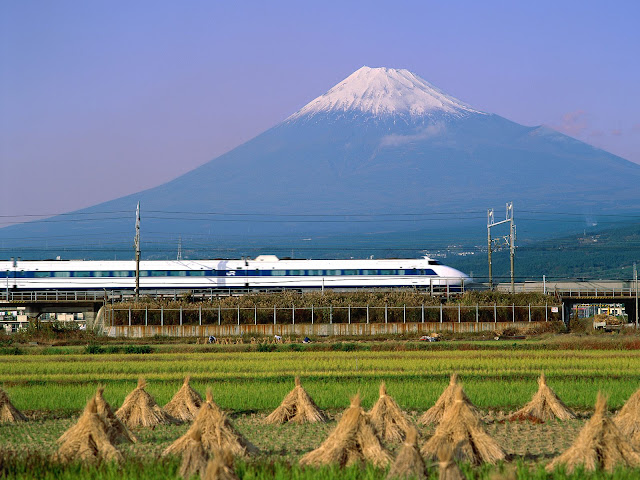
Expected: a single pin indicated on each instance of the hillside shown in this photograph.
(382, 151)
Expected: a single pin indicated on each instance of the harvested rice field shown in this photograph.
(52, 391)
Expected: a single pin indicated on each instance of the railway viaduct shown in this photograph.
(569, 293)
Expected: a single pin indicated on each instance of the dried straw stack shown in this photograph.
(216, 432)
(118, 432)
(88, 440)
(388, 419)
(599, 445)
(435, 413)
(628, 418)
(461, 429)
(141, 410)
(9, 413)
(221, 467)
(185, 403)
(448, 468)
(545, 405)
(194, 456)
(354, 440)
(297, 407)
(409, 462)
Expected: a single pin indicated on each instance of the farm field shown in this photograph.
(52, 390)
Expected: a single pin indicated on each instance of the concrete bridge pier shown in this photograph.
(88, 310)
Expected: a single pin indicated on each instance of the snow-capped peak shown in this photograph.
(385, 91)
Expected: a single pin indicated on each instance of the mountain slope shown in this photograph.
(383, 141)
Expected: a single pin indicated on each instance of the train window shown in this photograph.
(41, 274)
(369, 272)
(197, 273)
(144, 273)
(158, 273)
(349, 272)
(296, 272)
(62, 274)
(101, 274)
(120, 273)
(82, 274)
(177, 273)
(278, 273)
(386, 272)
(314, 272)
(401, 272)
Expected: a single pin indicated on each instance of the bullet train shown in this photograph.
(264, 272)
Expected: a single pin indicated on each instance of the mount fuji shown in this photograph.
(383, 142)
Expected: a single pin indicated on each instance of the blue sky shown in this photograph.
(104, 98)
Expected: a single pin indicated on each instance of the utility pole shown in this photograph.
(635, 278)
(137, 246)
(512, 243)
(490, 222)
(179, 248)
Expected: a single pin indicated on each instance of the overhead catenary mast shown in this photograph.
(510, 241)
(137, 247)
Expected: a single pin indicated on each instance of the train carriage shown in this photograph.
(262, 273)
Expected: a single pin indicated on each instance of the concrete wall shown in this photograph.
(302, 330)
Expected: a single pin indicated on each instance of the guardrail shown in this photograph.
(176, 293)
(565, 288)
(572, 288)
(53, 296)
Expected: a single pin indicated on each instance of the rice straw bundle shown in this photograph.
(118, 432)
(390, 422)
(354, 440)
(599, 445)
(194, 457)
(435, 413)
(460, 429)
(409, 462)
(185, 403)
(297, 407)
(140, 409)
(216, 432)
(87, 440)
(628, 418)
(448, 468)
(545, 405)
(9, 413)
(221, 467)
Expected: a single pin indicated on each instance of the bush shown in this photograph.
(266, 347)
(138, 349)
(93, 349)
(11, 351)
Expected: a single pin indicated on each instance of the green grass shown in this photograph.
(33, 466)
(258, 381)
(53, 389)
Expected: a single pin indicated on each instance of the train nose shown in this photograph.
(453, 273)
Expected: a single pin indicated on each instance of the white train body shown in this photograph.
(264, 272)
